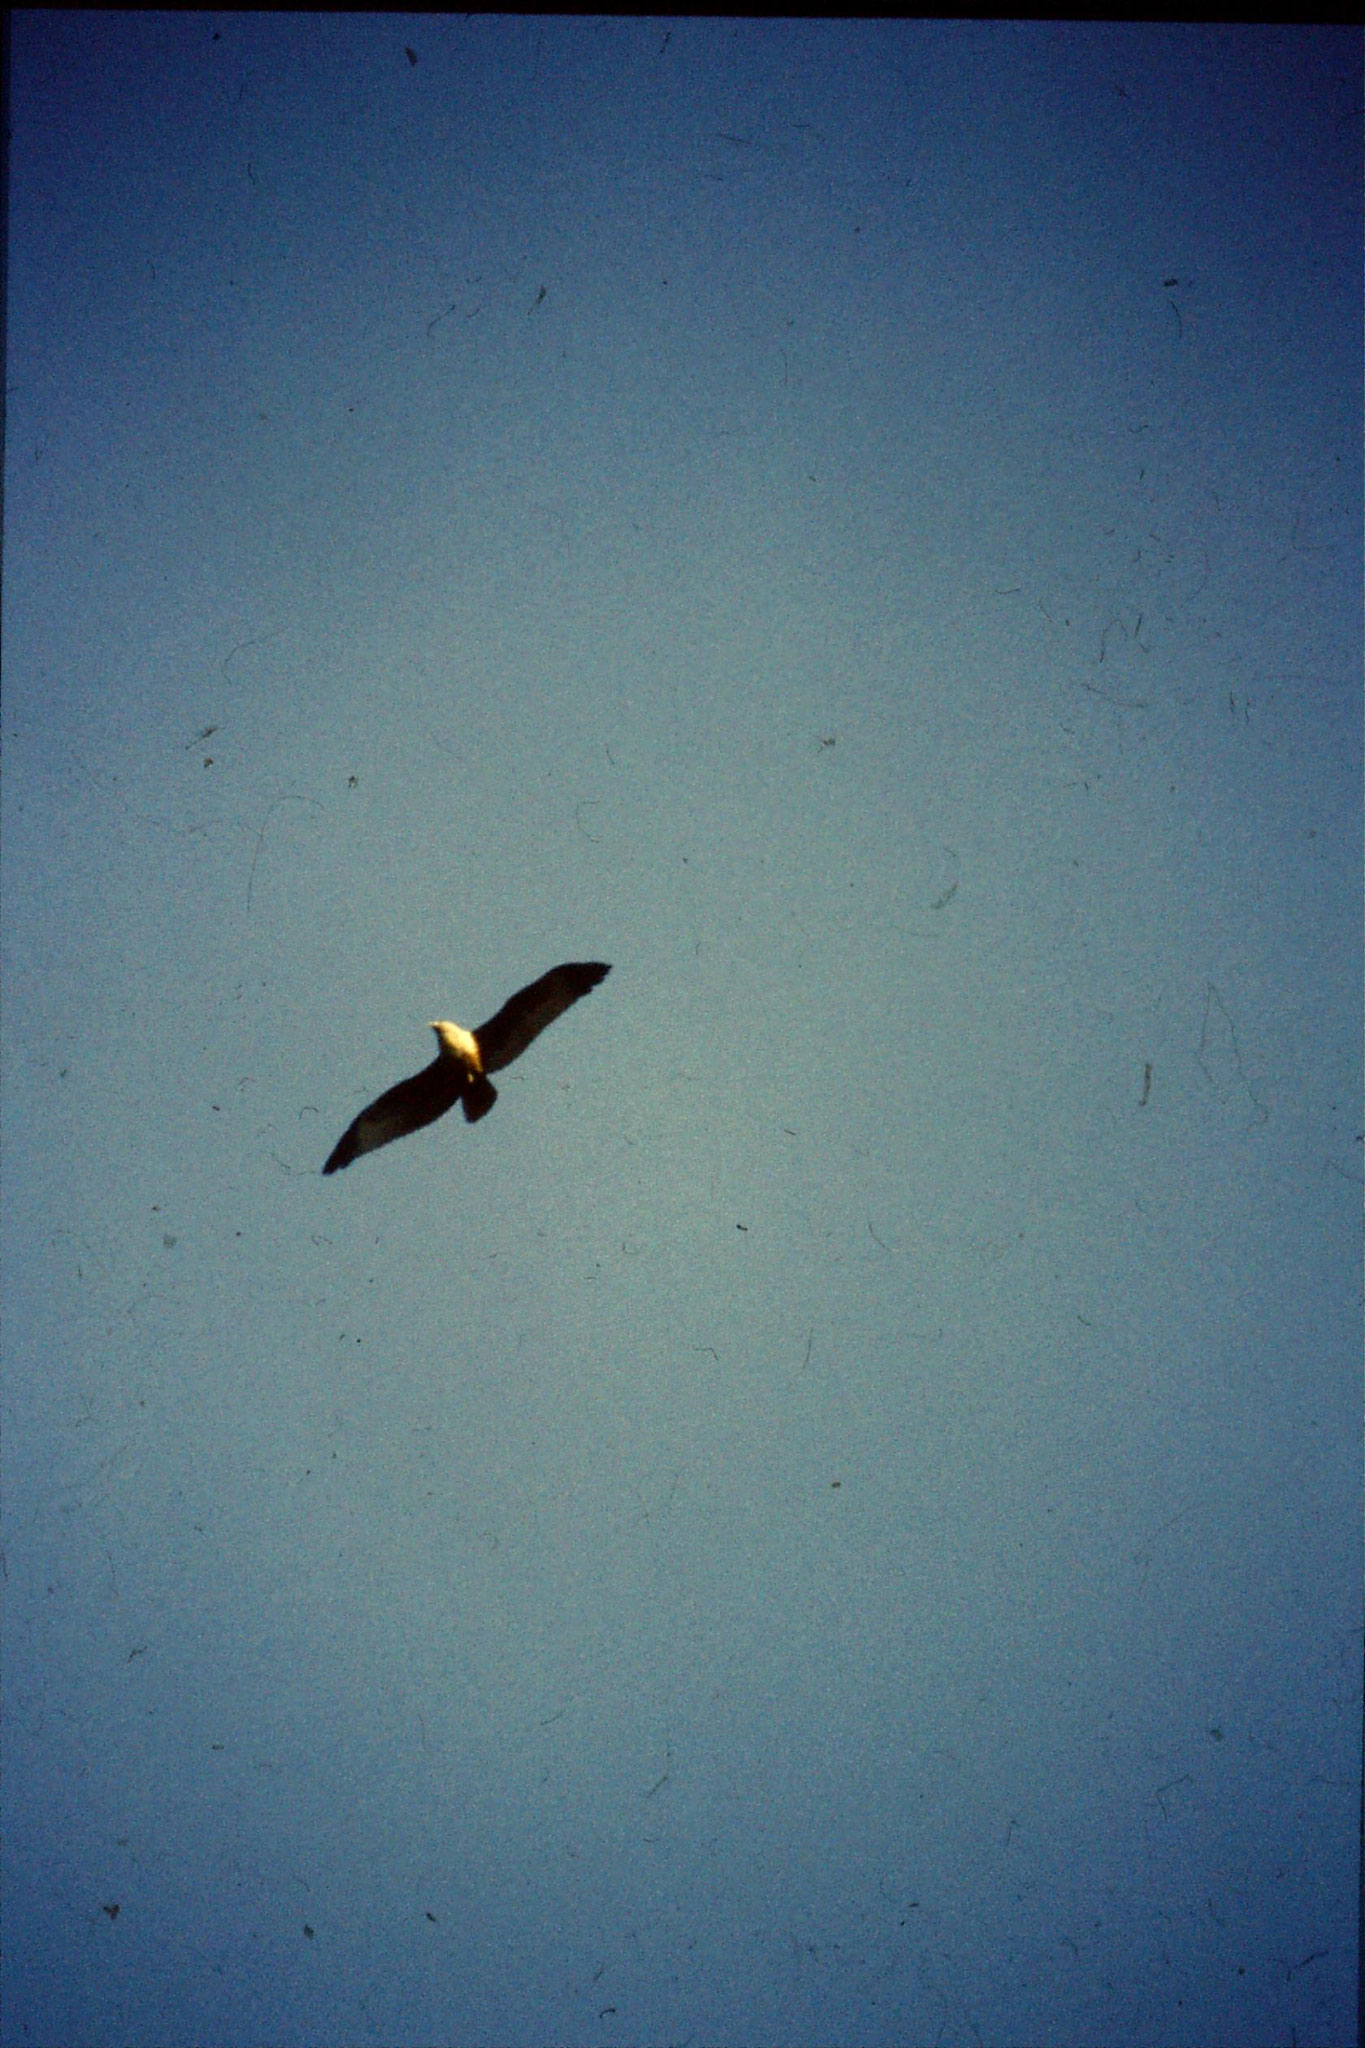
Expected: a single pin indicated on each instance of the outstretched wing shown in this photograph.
(505, 1037)
(418, 1100)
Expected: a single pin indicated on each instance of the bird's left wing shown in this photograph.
(505, 1037)
(418, 1100)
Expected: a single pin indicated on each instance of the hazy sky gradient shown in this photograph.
(831, 1516)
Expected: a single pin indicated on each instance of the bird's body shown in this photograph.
(465, 1059)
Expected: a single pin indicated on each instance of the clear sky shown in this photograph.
(831, 1516)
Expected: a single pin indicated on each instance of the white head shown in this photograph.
(458, 1044)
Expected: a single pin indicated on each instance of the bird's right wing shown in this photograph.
(505, 1037)
(418, 1100)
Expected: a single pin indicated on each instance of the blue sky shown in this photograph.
(832, 1515)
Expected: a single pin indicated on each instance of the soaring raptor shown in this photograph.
(464, 1060)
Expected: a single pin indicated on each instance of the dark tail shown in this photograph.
(479, 1097)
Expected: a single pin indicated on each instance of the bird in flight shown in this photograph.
(464, 1060)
